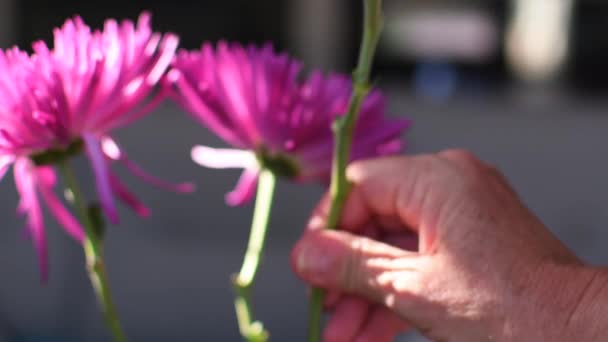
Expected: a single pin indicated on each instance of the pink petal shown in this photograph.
(128, 198)
(167, 47)
(234, 87)
(127, 119)
(102, 176)
(113, 151)
(5, 163)
(110, 148)
(157, 182)
(223, 158)
(244, 190)
(26, 186)
(392, 147)
(369, 139)
(195, 105)
(46, 183)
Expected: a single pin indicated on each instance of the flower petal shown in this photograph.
(224, 158)
(25, 181)
(127, 197)
(200, 110)
(157, 182)
(112, 150)
(244, 190)
(167, 49)
(5, 163)
(369, 140)
(102, 176)
(46, 182)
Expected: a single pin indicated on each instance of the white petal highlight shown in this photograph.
(110, 148)
(224, 158)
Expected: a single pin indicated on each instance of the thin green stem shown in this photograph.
(253, 331)
(93, 250)
(343, 136)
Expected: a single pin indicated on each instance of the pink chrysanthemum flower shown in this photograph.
(252, 98)
(57, 101)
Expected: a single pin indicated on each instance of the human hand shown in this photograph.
(443, 243)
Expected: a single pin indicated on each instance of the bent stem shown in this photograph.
(343, 135)
(93, 250)
(253, 331)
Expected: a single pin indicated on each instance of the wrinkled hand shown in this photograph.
(442, 243)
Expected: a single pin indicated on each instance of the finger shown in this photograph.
(386, 185)
(382, 325)
(340, 261)
(354, 215)
(413, 189)
(347, 319)
(318, 218)
(332, 298)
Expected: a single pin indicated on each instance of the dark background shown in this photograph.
(170, 273)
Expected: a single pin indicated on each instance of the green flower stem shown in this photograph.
(93, 250)
(253, 331)
(343, 134)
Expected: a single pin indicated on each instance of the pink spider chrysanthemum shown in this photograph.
(56, 102)
(253, 99)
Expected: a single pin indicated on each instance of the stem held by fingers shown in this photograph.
(343, 133)
(253, 331)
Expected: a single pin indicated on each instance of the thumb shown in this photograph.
(343, 262)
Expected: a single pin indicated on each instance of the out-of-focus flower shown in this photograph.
(252, 98)
(56, 102)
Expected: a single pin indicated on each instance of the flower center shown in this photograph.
(280, 164)
(55, 155)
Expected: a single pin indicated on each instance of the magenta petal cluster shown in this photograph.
(76, 93)
(253, 99)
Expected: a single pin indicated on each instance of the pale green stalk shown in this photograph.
(343, 135)
(93, 250)
(253, 331)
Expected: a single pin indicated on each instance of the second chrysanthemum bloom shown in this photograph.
(253, 99)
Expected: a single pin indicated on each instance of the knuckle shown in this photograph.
(470, 170)
(353, 279)
(461, 156)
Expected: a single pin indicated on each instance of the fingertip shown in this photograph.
(356, 170)
(316, 222)
(360, 170)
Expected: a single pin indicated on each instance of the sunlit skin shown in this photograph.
(441, 243)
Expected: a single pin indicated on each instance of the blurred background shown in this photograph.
(521, 83)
